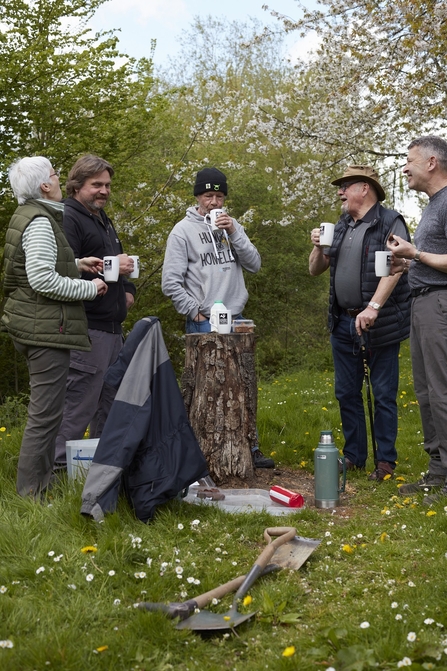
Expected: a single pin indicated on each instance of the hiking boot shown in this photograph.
(383, 469)
(434, 498)
(350, 466)
(348, 463)
(259, 461)
(427, 483)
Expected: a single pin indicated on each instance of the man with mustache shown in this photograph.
(362, 304)
(87, 227)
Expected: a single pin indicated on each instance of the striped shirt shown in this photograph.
(39, 245)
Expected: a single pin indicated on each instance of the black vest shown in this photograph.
(393, 322)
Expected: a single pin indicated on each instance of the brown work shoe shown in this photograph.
(350, 466)
(348, 463)
(380, 473)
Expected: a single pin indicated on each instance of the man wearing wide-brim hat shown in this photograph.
(364, 310)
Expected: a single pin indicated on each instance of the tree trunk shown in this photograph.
(220, 393)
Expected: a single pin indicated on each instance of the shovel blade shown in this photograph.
(208, 621)
(294, 553)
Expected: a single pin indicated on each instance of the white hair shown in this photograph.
(26, 176)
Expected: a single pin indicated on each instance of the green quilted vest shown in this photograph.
(29, 317)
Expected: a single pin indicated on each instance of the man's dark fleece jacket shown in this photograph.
(91, 235)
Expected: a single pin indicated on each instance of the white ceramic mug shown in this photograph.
(211, 217)
(383, 263)
(326, 234)
(111, 269)
(135, 274)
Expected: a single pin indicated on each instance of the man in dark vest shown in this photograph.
(363, 305)
(89, 231)
(43, 313)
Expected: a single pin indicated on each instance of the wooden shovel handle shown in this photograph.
(284, 534)
(230, 586)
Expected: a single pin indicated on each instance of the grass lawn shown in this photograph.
(372, 596)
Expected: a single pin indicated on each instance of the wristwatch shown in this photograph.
(374, 305)
(417, 256)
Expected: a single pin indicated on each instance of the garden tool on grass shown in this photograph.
(205, 620)
(368, 397)
(291, 554)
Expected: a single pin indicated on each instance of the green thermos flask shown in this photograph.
(326, 472)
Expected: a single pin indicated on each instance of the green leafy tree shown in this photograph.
(64, 92)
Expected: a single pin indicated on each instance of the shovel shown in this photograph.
(292, 555)
(205, 620)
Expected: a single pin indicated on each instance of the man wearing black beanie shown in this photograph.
(210, 179)
(204, 264)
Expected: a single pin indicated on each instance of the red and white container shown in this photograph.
(286, 497)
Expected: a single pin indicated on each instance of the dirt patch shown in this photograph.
(295, 479)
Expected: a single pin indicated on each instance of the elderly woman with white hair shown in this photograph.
(43, 312)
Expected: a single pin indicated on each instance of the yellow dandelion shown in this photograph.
(413, 505)
(303, 464)
(387, 476)
(247, 600)
(384, 511)
(89, 548)
(272, 454)
(398, 505)
(400, 478)
(289, 651)
(323, 408)
(383, 537)
(2, 428)
(227, 617)
(431, 513)
(348, 549)
(102, 648)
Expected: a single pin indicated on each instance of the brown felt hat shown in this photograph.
(362, 173)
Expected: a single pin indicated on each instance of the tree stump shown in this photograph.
(220, 394)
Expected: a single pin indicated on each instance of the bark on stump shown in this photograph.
(220, 394)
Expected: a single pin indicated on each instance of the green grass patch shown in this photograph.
(372, 596)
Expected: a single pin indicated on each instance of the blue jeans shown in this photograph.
(383, 365)
(198, 327)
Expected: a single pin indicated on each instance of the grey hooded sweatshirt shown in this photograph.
(202, 266)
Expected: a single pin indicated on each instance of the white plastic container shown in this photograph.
(243, 501)
(220, 318)
(80, 454)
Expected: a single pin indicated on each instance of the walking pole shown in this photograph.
(368, 396)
